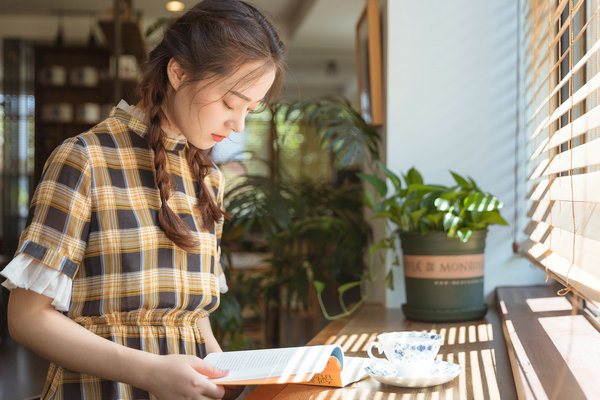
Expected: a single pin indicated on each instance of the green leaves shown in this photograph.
(420, 207)
(379, 184)
(396, 182)
(319, 286)
(413, 177)
(462, 182)
(464, 234)
(340, 129)
(492, 217)
(389, 280)
(478, 201)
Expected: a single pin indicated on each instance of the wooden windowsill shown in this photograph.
(554, 350)
(478, 346)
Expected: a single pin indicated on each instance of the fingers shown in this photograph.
(213, 391)
(208, 369)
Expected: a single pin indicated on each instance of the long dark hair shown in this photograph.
(210, 42)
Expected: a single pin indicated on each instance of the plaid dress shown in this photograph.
(94, 216)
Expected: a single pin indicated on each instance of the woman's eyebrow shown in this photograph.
(244, 97)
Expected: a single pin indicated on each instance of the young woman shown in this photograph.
(117, 269)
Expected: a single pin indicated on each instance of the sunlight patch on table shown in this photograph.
(461, 334)
(452, 335)
(482, 332)
(532, 381)
(579, 345)
(476, 382)
(360, 343)
(545, 304)
(349, 342)
(462, 378)
(489, 369)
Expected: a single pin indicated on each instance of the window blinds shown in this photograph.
(562, 120)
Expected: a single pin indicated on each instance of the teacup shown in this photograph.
(411, 352)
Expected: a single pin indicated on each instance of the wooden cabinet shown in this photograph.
(74, 91)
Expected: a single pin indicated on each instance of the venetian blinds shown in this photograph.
(562, 112)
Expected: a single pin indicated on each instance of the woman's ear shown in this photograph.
(175, 73)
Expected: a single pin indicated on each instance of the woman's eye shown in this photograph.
(227, 105)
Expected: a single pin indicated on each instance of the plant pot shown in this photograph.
(443, 276)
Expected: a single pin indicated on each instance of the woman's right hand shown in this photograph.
(178, 376)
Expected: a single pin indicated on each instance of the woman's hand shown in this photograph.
(178, 376)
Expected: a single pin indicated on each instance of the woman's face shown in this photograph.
(206, 114)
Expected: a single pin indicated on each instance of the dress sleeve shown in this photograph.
(58, 223)
(26, 272)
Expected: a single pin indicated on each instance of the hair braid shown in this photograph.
(173, 226)
(210, 211)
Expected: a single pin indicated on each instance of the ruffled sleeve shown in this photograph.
(27, 272)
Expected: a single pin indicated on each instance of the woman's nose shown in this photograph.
(237, 124)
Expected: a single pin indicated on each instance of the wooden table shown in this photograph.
(476, 345)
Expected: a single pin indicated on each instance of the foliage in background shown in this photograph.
(227, 321)
(340, 128)
(313, 228)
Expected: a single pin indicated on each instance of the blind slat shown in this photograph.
(560, 214)
(536, 64)
(554, 39)
(586, 187)
(568, 76)
(589, 120)
(566, 23)
(540, 169)
(580, 156)
(590, 87)
(558, 10)
(539, 189)
(540, 127)
(560, 242)
(541, 148)
(584, 282)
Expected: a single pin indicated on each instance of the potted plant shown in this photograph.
(442, 231)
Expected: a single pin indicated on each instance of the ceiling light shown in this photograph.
(175, 6)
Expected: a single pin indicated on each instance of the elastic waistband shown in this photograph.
(160, 317)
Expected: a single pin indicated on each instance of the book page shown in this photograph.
(273, 363)
(354, 369)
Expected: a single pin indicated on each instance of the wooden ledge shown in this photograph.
(554, 349)
(478, 346)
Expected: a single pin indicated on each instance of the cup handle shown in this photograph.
(378, 347)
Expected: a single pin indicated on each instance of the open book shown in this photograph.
(323, 365)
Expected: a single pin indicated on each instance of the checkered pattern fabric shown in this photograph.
(94, 216)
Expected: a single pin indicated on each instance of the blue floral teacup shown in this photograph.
(411, 352)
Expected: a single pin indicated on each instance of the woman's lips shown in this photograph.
(218, 138)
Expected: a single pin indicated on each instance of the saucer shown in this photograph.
(440, 372)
